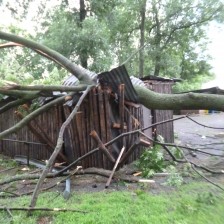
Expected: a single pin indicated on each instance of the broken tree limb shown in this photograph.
(16, 103)
(207, 179)
(97, 171)
(115, 167)
(20, 94)
(31, 116)
(77, 71)
(101, 146)
(47, 88)
(39, 133)
(57, 148)
(41, 209)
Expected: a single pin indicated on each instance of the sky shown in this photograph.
(216, 50)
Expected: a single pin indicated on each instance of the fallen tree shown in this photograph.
(147, 97)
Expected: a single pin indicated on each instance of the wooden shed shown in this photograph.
(160, 85)
(110, 109)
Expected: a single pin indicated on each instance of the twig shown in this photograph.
(202, 124)
(162, 122)
(42, 209)
(213, 183)
(186, 147)
(2, 171)
(131, 133)
(10, 214)
(7, 192)
(164, 145)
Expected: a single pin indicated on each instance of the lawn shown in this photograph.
(195, 203)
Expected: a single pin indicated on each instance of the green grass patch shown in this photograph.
(195, 203)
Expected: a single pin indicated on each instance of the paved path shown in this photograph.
(190, 133)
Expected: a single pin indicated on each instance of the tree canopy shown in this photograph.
(162, 38)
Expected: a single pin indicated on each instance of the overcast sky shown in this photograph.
(216, 50)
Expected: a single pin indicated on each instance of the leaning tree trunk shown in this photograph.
(190, 100)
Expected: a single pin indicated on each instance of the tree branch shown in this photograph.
(160, 101)
(31, 88)
(31, 116)
(77, 71)
(16, 103)
(57, 148)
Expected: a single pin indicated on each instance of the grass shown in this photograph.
(187, 205)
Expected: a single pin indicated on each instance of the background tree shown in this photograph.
(165, 38)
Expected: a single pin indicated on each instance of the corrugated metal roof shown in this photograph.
(136, 81)
(112, 78)
(118, 76)
(72, 80)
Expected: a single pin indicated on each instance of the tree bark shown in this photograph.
(160, 101)
(13, 89)
(82, 16)
(142, 39)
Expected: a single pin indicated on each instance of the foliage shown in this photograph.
(174, 179)
(177, 152)
(151, 161)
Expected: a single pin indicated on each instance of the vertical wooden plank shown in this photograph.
(98, 155)
(91, 127)
(79, 130)
(102, 120)
(121, 111)
(108, 121)
(83, 131)
(75, 137)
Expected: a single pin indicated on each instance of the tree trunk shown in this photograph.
(157, 44)
(142, 39)
(160, 101)
(83, 54)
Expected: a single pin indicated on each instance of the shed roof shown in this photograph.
(118, 76)
(161, 79)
